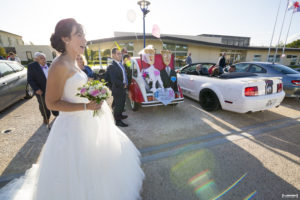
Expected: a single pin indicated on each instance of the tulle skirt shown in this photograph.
(84, 158)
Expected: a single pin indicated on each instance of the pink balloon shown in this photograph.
(156, 31)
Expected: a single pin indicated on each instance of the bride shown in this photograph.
(84, 157)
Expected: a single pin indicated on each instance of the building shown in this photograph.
(204, 48)
(14, 43)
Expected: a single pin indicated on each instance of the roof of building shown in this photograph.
(10, 33)
(197, 40)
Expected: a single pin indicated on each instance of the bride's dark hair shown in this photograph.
(64, 29)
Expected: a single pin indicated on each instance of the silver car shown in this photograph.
(290, 77)
(13, 83)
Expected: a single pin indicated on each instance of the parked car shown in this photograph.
(138, 94)
(297, 69)
(13, 83)
(237, 91)
(290, 77)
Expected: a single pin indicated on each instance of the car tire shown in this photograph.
(209, 100)
(134, 105)
(29, 92)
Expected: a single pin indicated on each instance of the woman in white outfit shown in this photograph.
(85, 157)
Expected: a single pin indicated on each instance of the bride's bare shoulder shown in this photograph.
(59, 67)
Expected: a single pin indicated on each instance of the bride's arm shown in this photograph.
(57, 76)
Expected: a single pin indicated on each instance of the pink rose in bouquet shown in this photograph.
(94, 91)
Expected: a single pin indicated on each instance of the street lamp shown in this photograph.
(144, 7)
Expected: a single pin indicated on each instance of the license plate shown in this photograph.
(271, 102)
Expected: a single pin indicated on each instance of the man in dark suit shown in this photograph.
(37, 74)
(117, 82)
(167, 74)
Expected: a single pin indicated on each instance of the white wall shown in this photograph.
(21, 51)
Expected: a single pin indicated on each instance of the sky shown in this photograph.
(35, 20)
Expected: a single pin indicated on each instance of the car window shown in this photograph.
(16, 66)
(283, 69)
(207, 66)
(256, 69)
(242, 67)
(5, 70)
(189, 69)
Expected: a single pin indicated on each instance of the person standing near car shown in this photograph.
(222, 63)
(117, 81)
(37, 74)
(13, 57)
(188, 59)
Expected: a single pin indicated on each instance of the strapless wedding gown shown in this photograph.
(84, 158)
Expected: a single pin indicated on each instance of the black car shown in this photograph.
(13, 83)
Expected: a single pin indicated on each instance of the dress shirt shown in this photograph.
(45, 70)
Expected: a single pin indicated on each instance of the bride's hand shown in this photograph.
(93, 105)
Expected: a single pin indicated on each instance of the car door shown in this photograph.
(186, 79)
(19, 86)
(7, 79)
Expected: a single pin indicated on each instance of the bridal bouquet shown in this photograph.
(94, 91)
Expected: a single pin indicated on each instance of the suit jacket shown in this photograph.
(36, 77)
(222, 61)
(114, 78)
(166, 79)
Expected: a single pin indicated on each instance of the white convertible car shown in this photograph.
(237, 92)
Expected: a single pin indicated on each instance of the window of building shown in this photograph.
(294, 60)
(1, 42)
(17, 42)
(271, 58)
(29, 55)
(236, 43)
(179, 51)
(257, 58)
(128, 46)
(9, 41)
(53, 54)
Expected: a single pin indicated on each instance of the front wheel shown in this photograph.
(29, 92)
(209, 100)
(134, 105)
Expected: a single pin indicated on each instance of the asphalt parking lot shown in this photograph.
(187, 153)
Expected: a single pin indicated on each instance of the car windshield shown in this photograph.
(283, 69)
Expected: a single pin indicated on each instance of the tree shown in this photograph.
(106, 53)
(3, 52)
(294, 44)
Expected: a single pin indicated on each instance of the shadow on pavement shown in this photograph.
(26, 156)
(12, 107)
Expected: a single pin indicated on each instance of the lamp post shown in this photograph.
(144, 7)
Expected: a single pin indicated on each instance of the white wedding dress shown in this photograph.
(84, 158)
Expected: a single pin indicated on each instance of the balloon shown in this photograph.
(156, 31)
(173, 79)
(131, 16)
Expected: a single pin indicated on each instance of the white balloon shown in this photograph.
(131, 16)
